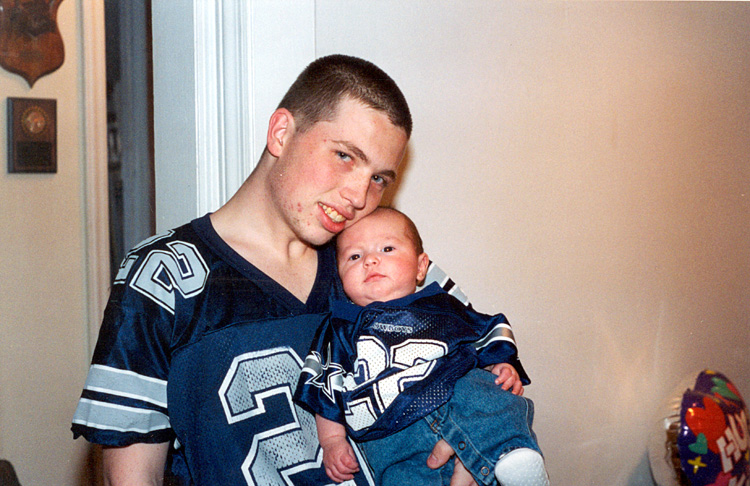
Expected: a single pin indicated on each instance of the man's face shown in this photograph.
(377, 260)
(336, 171)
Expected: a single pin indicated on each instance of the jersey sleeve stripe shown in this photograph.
(125, 383)
(313, 364)
(109, 416)
(501, 332)
(456, 292)
(436, 274)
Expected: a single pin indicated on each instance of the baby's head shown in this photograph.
(380, 257)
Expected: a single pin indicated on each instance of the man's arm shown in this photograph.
(135, 465)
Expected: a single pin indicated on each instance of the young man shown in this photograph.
(200, 347)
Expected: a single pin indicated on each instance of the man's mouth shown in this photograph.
(332, 213)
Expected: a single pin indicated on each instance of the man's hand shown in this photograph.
(440, 455)
(507, 376)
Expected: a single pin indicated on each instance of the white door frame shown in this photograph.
(95, 160)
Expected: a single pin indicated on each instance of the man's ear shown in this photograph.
(423, 261)
(280, 128)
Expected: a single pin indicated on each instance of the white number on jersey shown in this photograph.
(181, 268)
(416, 357)
(282, 451)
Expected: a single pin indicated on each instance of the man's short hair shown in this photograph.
(316, 93)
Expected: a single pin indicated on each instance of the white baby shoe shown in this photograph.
(521, 467)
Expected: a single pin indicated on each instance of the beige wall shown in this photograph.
(583, 167)
(43, 344)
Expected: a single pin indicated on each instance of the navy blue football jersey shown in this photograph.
(379, 368)
(201, 349)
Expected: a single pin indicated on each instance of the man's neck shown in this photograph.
(248, 226)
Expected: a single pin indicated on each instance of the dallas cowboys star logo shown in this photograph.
(327, 376)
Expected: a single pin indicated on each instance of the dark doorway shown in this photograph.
(130, 125)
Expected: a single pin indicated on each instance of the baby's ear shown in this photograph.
(423, 261)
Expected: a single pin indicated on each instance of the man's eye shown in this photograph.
(377, 179)
(388, 249)
(344, 156)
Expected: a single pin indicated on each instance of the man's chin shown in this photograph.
(318, 239)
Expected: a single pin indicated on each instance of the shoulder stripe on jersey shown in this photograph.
(125, 383)
(436, 274)
(501, 332)
(109, 416)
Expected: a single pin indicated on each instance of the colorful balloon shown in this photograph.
(705, 438)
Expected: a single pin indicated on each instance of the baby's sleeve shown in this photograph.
(320, 383)
(497, 343)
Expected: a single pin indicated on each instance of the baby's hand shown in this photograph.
(507, 376)
(339, 459)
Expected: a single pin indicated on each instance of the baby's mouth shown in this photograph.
(373, 276)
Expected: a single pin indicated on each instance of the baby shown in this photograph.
(399, 370)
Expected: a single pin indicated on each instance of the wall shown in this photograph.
(582, 167)
(579, 166)
(43, 324)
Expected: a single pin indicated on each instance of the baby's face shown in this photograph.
(377, 261)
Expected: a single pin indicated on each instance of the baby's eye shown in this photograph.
(388, 249)
(353, 258)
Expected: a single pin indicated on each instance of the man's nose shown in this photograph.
(355, 190)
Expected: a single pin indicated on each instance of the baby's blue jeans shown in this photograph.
(481, 422)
